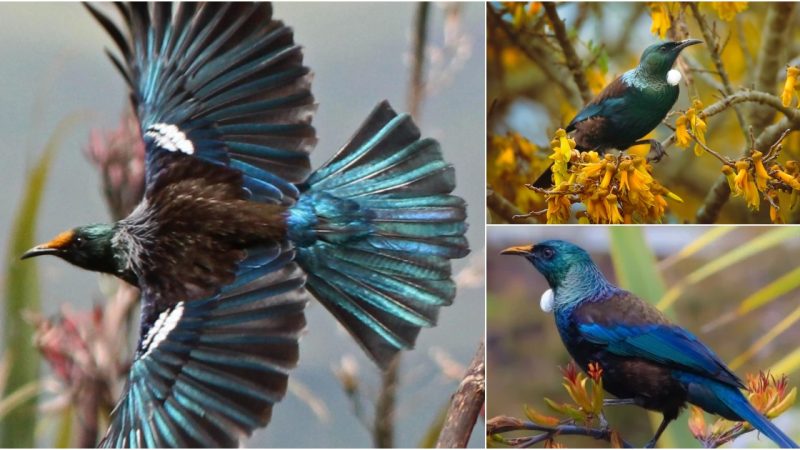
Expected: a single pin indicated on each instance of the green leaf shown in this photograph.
(22, 294)
(744, 251)
(435, 428)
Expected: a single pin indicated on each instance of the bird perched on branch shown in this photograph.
(234, 231)
(630, 106)
(646, 360)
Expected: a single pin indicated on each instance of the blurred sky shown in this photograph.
(53, 65)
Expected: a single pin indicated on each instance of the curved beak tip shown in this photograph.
(38, 251)
(518, 250)
(688, 42)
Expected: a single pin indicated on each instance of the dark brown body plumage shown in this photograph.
(186, 238)
(649, 384)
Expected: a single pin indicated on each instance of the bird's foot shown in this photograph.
(657, 151)
(650, 444)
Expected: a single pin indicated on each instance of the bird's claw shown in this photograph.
(656, 153)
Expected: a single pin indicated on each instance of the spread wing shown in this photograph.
(207, 372)
(628, 326)
(224, 107)
(220, 82)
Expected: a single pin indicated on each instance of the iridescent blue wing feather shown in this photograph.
(207, 372)
(222, 82)
(375, 229)
(665, 344)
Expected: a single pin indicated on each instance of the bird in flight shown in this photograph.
(235, 232)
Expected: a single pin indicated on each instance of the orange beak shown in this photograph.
(522, 250)
(52, 247)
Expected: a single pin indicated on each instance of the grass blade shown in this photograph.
(740, 253)
(21, 294)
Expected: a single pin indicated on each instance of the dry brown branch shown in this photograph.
(503, 208)
(537, 57)
(769, 62)
(417, 84)
(572, 60)
(466, 405)
(713, 49)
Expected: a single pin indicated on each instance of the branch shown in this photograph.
(774, 39)
(503, 208)
(714, 51)
(532, 54)
(762, 98)
(383, 427)
(573, 62)
(505, 424)
(417, 87)
(720, 192)
(466, 405)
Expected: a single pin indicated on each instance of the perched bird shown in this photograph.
(646, 360)
(234, 231)
(630, 106)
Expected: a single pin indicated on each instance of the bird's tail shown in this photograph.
(729, 402)
(375, 229)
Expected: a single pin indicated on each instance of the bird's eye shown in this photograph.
(548, 253)
(663, 49)
(78, 241)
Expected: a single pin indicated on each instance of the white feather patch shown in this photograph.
(169, 137)
(166, 322)
(673, 77)
(546, 303)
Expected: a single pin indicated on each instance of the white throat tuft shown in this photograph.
(673, 77)
(546, 303)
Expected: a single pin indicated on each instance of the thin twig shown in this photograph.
(572, 60)
(383, 427)
(417, 85)
(466, 405)
(532, 54)
(504, 208)
(505, 424)
(714, 51)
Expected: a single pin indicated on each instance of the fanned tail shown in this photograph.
(375, 229)
(729, 402)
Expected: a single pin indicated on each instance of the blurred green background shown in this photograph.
(708, 272)
(53, 66)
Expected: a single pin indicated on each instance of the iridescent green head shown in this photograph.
(658, 59)
(89, 247)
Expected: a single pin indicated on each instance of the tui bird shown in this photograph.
(646, 360)
(630, 106)
(233, 232)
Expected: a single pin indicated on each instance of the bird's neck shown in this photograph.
(646, 80)
(582, 282)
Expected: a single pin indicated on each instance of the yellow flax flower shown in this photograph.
(745, 184)
(682, 138)
(612, 209)
(727, 10)
(697, 124)
(659, 13)
(761, 172)
(562, 154)
(785, 177)
(791, 86)
(730, 175)
(558, 209)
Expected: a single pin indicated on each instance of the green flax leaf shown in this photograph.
(22, 294)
